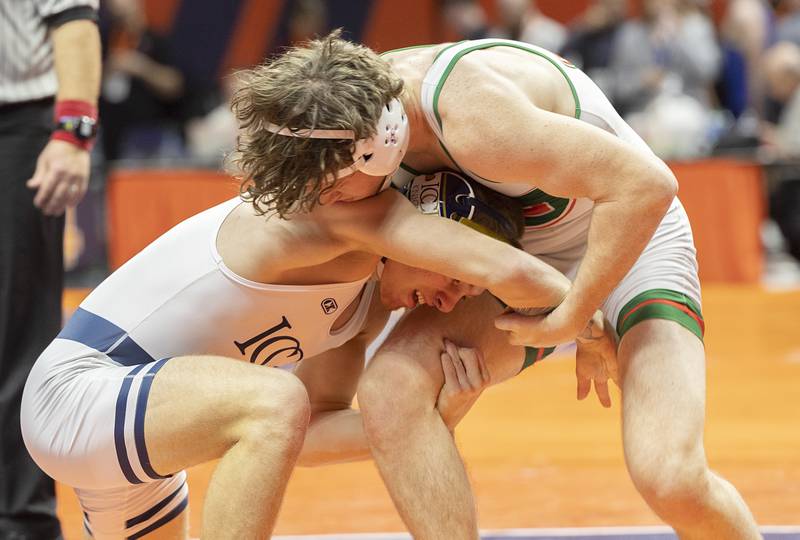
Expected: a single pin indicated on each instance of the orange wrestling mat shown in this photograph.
(538, 458)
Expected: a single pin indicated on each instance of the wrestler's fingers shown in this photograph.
(601, 389)
(584, 386)
(485, 375)
(461, 373)
(450, 375)
(470, 361)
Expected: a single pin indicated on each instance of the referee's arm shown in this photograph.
(62, 170)
(76, 54)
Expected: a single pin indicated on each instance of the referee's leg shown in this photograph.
(31, 280)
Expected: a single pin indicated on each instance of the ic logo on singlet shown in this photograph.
(329, 305)
(424, 193)
(270, 345)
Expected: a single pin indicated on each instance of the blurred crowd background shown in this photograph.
(695, 78)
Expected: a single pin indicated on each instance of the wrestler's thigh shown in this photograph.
(215, 401)
(416, 343)
(663, 391)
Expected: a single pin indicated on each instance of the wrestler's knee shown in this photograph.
(277, 408)
(675, 484)
(394, 392)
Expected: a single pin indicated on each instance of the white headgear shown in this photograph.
(379, 155)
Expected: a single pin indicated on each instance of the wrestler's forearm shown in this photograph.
(618, 234)
(334, 437)
(390, 226)
(534, 283)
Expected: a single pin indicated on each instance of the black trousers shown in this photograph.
(31, 281)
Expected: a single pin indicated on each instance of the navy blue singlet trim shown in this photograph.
(144, 516)
(175, 512)
(101, 334)
(138, 423)
(119, 427)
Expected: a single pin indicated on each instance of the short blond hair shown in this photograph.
(329, 83)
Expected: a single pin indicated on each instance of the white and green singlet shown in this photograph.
(663, 282)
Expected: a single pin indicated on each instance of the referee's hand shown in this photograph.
(61, 177)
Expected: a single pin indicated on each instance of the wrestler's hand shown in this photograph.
(465, 377)
(548, 330)
(596, 359)
(61, 177)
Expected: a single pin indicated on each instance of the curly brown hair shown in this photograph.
(329, 83)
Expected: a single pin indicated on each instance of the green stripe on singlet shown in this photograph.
(408, 48)
(468, 50)
(534, 354)
(662, 304)
(559, 204)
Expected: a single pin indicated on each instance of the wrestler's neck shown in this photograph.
(295, 251)
(424, 151)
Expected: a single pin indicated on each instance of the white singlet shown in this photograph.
(84, 402)
(557, 228)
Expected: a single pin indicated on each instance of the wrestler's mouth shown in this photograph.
(415, 298)
(420, 298)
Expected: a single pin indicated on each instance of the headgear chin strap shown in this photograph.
(379, 155)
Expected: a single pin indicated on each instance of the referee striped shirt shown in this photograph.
(26, 52)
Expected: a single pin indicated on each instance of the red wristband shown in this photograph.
(70, 108)
(74, 107)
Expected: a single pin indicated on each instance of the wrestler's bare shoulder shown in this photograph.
(302, 249)
(508, 73)
(507, 68)
(413, 62)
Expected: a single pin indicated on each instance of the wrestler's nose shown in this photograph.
(446, 299)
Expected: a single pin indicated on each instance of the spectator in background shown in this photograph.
(789, 21)
(673, 43)
(213, 135)
(781, 64)
(591, 40)
(142, 86)
(747, 29)
(523, 21)
(665, 64)
(309, 19)
(464, 19)
(782, 140)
